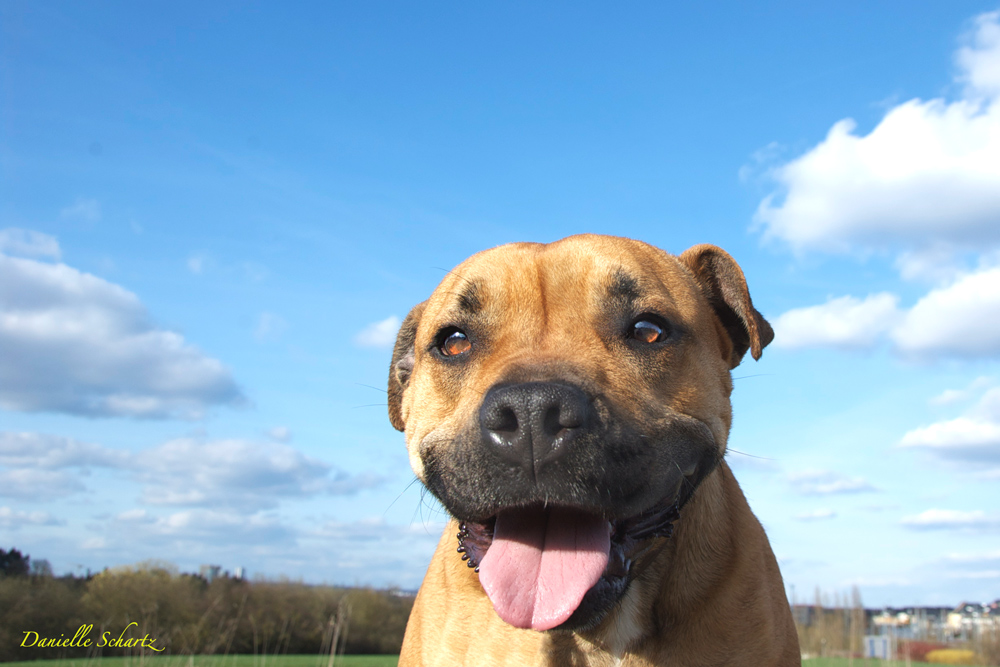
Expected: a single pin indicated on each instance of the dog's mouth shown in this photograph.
(558, 567)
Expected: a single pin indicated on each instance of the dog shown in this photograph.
(569, 406)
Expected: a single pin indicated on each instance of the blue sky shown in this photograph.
(203, 208)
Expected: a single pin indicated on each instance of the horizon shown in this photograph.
(823, 599)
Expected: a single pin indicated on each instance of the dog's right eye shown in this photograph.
(455, 343)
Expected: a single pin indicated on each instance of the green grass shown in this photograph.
(218, 661)
(858, 662)
(321, 661)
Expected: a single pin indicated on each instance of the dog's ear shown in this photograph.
(724, 285)
(402, 364)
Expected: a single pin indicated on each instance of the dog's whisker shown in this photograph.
(362, 384)
(753, 456)
(405, 489)
(453, 272)
(419, 509)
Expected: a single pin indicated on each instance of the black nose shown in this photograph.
(533, 423)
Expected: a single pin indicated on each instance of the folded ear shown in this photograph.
(725, 287)
(402, 364)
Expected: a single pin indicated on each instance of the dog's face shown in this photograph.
(563, 401)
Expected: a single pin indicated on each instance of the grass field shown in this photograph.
(844, 662)
(219, 661)
(321, 661)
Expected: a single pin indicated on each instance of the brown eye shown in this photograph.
(455, 344)
(645, 331)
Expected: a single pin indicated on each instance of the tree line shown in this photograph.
(187, 614)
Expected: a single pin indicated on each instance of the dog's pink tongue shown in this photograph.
(542, 562)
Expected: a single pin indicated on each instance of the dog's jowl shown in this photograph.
(568, 404)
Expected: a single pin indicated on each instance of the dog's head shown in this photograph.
(563, 401)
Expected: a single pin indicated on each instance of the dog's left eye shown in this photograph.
(455, 343)
(645, 331)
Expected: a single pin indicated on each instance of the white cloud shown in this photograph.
(370, 551)
(238, 473)
(876, 582)
(973, 559)
(961, 438)
(78, 344)
(760, 162)
(844, 322)
(280, 433)
(37, 464)
(379, 334)
(935, 519)
(196, 264)
(200, 526)
(37, 485)
(14, 519)
(51, 452)
(88, 210)
(269, 327)
(948, 396)
(978, 59)
(376, 530)
(923, 184)
(927, 174)
(937, 263)
(969, 565)
(981, 574)
(962, 319)
(988, 407)
(879, 508)
(28, 243)
(972, 440)
(816, 515)
(952, 396)
(185, 471)
(94, 543)
(355, 545)
(827, 482)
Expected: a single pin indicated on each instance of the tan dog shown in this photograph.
(568, 403)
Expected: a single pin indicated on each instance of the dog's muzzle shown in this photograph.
(558, 498)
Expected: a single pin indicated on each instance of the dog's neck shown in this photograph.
(676, 585)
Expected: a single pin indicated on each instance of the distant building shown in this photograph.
(804, 614)
(970, 619)
(404, 592)
(209, 572)
(926, 623)
(878, 646)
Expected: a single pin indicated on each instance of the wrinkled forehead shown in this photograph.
(575, 273)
